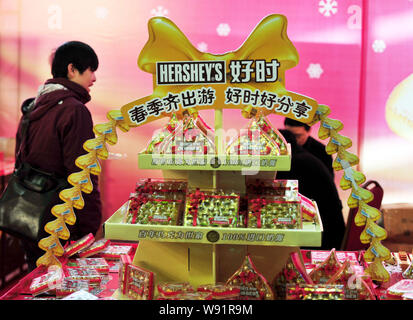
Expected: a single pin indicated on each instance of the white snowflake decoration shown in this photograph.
(379, 46)
(202, 46)
(223, 29)
(327, 7)
(314, 70)
(101, 12)
(159, 11)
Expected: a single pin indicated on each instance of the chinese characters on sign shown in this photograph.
(171, 103)
(213, 72)
(269, 100)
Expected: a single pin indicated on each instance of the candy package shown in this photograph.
(212, 209)
(408, 273)
(305, 291)
(115, 252)
(99, 264)
(293, 272)
(188, 139)
(81, 244)
(274, 213)
(269, 187)
(165, 188)
(253, 141)
(171, 290)
(156, 201)
(46, 282)
(221, 291)
(147, 210)
(355, 287)
(138, 282)
(69, 286)
(327, 269)
(160, 136)
(308, 208)
(80, 273)
(402, 287)
(275, 204)
(275, 135)
(94, 248)
(253, 285)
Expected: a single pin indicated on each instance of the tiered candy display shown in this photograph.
(211, 209)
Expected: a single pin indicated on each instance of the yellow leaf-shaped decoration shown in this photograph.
(53, 244)
(365, 211)
(337, 141)
(90, 162)
(81, 178)
(327, 125)
(108, 130)
(349, 175)
(376, 250)
(377, 271)
(352, 159)
(97, 145)
(372, 230)
(48, 259)
(322, 112)
(73, 196)
(65, 210)
(116, 115)
(359, 194)
(58, 227)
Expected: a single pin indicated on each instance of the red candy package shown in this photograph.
(46, 282)
(94, 248)
(174, 289)
(99, 264)
(81, 244)
(253, 286)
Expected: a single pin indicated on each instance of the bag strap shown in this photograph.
(24, 130)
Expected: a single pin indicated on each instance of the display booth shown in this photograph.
(219, 215)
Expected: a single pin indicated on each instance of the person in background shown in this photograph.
(316, 183)
(59, 125)
(301, 132)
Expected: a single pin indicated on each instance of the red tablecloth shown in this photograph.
(20, 291)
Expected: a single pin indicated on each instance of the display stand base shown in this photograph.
(200, 264)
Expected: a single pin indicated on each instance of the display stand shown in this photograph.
(205, 255)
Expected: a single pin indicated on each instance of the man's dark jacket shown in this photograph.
(59, 125)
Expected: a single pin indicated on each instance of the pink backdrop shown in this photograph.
(346, 63)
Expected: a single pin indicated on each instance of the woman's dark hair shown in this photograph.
(81, 55)
(295, 123)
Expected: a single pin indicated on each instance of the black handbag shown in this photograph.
(25, 205)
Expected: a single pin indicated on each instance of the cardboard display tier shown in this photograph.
(308, 236)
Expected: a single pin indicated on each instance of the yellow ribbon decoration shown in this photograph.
(359, 197)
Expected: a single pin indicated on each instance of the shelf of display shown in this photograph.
(308, 236)
(220, 162)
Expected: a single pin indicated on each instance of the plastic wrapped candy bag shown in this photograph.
(188, 139)
(253, 141)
